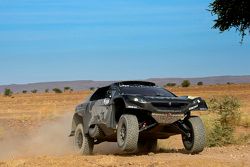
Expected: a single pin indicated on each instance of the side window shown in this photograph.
(114, 92)
(111, 92)
(101, 93)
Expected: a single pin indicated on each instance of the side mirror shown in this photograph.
(106, 101)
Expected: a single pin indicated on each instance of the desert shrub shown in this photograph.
(185, 83)
(220, 135)
(24, 91)
(34, 91)
(170, 84)
(46, 90)
(57, 90)
(7, 92)
(71, 90)
(227, 110)
(92, 88)
(200, 83)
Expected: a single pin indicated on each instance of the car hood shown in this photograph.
(180, 99)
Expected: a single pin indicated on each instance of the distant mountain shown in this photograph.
(206, 80)
(87, 84)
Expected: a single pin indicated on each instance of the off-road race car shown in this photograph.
(135, 114)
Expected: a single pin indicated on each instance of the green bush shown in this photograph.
(227, 108)
(220, 135)
(57, 90)
(46, 90)
(185, 83)
(170, 84)
(92, 88)
(7, 92)
(24, 91)
(227, 117)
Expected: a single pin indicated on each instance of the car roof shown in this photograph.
(130, 83)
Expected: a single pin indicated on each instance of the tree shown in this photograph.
(229, 83)
(67, 88)
(185, 83)
(200, 83)
(7, 92)
(170, 84)
(57, 90)
(231, 14)
(34, 91)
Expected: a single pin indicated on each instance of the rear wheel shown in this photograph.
(128, 133)
(83, 144)
(195, 141)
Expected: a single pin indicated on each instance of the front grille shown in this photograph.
(169, 105)
(167, 118)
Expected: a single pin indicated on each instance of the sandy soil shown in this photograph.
(34, 129)
(225, 156)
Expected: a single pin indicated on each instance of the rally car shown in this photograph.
(135, 114)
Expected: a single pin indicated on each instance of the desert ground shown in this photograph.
(34, 131)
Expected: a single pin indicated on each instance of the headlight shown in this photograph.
(139, 99)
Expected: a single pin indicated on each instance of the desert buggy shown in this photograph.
(135, 114)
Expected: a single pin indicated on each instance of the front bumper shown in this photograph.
(170, 105)
(169, 110)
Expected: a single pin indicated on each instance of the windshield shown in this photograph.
(147, 91)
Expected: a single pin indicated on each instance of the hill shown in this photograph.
(86, 84)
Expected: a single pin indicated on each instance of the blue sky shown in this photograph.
(57, 40)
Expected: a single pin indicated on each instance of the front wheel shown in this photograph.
(83, 144)
(128, 133)
(195, 142)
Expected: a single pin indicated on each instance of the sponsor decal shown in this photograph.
(191, 108)
(131, 107)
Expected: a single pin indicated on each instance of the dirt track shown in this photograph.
(226, 156)
(31, 141)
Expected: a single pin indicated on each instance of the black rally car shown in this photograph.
(135, 114)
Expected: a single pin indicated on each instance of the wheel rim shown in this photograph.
(123, 133)
(79, 140)
(188, 140)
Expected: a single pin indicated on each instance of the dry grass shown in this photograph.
(240, 91)
(23, 110)
(1, 133)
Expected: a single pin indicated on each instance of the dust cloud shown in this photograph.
(51, 138)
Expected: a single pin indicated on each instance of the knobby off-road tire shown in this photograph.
(83, 144)
(147, 145)
(197, 140)
(128, 133)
